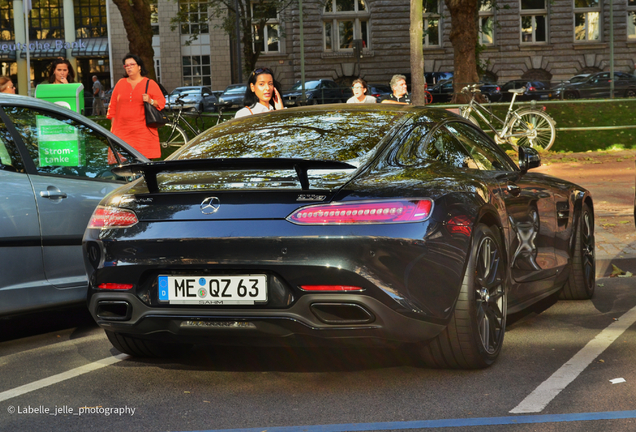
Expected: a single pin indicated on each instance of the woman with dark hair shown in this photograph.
(61, 72)
(263, 94)
(360, 89)
(126, 108)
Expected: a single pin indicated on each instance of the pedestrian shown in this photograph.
(6, 85)
(360, 89)
(262, 94)
(126, 108)
(400, 93)
(61, 72)
(98, 91)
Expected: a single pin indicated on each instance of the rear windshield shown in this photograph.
(344, 135)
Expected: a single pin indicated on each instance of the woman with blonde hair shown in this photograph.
(6, 85)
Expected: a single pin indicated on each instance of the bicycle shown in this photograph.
(175, 133)
(524, 127)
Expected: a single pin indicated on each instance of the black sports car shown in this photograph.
(397, 224)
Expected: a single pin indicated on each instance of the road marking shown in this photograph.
(550, 388)
(45, 382)
(443, 423)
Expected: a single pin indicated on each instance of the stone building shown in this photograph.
(550, 40)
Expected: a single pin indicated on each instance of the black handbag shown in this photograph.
(154, 117)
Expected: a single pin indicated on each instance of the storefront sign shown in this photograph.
(56, 45)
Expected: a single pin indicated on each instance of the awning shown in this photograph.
(93, 47)
(45, 49)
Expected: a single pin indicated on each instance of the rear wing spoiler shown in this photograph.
(150, 169)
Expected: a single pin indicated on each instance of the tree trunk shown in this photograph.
(463, 36)
(417, 53)
(136, 17)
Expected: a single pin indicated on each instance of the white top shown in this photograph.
(367, 99)
(256, 109)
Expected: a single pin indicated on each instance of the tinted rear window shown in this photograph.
(344, 135)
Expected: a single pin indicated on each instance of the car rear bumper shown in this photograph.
(313, 319)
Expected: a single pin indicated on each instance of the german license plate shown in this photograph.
(213, 290)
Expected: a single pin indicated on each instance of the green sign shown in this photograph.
(58, 143)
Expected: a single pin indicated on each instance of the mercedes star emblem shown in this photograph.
(210, 205)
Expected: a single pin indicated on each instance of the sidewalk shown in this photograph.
(610, 178)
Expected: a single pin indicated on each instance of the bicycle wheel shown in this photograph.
(428, 97)
(532, 129)
(172, 135)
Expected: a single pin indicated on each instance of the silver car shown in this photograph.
(55, 167)
(194, 98)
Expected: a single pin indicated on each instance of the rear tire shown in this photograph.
(475, 333)
(144, 348)
(172, 135)
(582, 280)
(532, 121)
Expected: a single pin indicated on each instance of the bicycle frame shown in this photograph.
(503, 135)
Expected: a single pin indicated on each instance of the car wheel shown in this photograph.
(570, 95)
(630, 93)
(582, 280)
(475, 333)
(144, 348)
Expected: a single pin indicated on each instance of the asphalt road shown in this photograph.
(60, 373)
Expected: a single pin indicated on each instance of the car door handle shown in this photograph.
(513, 189)
(53, 194)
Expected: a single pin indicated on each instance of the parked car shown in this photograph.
(379, 91)
(534, 90)
(443, 91)
(106, 98)
(195, 98)
(598, 86)
(55, 167)
(319, 91)
(369, 224)
(233, 96)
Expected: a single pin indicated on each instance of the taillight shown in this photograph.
(115, 286)
(325, 288)
(531, 88)
(364, 212)
(497, 88)
(112, 217)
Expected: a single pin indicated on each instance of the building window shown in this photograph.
(587, 22)
(158, 69)
(631, 19)
(46, 20)
(486, 23)
(534, 21)
(154, 17)
(6, 21)
(194, 16)
(431, 23)
(266, 28)
(343, 22)
(196, 70)
(90, 19)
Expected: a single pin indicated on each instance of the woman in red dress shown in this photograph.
(126, 108)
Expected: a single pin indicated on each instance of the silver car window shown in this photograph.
(59, 145)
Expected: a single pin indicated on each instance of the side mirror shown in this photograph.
(528, 158)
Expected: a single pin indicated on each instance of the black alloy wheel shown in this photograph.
(570, 95)
(582, 280)
(630, 93)
(475, 333)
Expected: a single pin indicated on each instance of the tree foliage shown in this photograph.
(253, 17)
(136, 17)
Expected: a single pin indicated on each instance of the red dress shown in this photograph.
(126, 111)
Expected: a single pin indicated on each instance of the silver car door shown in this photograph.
(72, 174)
(23, 281)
